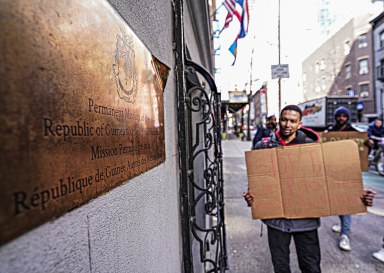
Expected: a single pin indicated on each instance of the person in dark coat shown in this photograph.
(342, 124)
(270, 128)
(375, 130)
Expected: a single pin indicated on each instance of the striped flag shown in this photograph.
(230, 5)
(244, 22)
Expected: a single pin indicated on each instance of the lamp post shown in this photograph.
(249, 100)
(249, 116)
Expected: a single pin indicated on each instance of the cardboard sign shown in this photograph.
(305, 181)
(360, 137)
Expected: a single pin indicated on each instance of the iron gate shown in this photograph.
(200, 161)
(202, 188)
(205, 168)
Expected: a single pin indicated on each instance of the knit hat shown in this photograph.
(342, 110)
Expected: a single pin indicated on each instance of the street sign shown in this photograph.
(280, 71)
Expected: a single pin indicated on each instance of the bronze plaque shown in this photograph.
(81, 108)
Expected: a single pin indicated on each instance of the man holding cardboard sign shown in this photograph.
(296, 222)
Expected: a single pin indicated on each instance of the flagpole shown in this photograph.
(216, 9)
(278, 46)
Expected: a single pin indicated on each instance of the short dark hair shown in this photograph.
(292, 108)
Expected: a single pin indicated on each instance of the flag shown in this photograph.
(233, 49)
(228, 19)
(230, 5)
(244, 22)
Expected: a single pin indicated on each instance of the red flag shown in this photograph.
(230, 5)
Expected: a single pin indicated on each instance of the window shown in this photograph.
(381, 39)
(323, 83)
(363, 67)
(380, 70)
(304, 77)
(317, 67)
(350, 92)
(362, 40)
(364, 91)
(347, 71)
(347, 48)
(317, 87)
(322, 64)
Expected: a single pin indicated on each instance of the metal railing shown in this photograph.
(204, 188)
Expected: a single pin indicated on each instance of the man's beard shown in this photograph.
(286, 133)
(342, 122)
(272, 125)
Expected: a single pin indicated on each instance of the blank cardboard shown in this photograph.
(305, 181)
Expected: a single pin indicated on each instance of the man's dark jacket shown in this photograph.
(304, 135)
(261, 133)
(374, 131)
(336, 128)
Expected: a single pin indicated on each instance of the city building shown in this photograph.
(378, 62)
(342, 66)
(260, 103)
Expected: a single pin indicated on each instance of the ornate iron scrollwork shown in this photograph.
(205, 168)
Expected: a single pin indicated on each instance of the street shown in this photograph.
(247, 238)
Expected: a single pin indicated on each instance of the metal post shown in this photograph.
(249, 101)
(249, 117)
(278, 46)
(242, 124)
(183, 136)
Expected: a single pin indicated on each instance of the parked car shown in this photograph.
(361, 127)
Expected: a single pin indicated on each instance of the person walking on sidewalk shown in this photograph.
(303, 231)
(342, 124)
(269, 129)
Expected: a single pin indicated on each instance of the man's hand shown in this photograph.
(248, 198)
(367, 198)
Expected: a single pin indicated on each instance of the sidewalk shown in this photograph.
(249, 252)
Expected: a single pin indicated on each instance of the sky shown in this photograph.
(299, 37)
